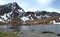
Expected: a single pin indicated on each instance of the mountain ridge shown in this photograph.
(12, 11)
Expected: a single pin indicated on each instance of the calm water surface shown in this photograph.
(53, 28)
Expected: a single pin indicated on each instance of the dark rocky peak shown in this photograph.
(11, 7)
(11, 10)
(44, 12)
(38, 13)
(29, 13)
(54, 13)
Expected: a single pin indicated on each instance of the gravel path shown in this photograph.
(36, 34)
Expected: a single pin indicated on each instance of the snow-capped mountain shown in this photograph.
(12, 11)
(38, 15)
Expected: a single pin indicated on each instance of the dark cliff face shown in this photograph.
(41, 14)
(11, 11)
(11, 7)
(47, 13)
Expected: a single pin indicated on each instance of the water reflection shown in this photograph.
(53, 28)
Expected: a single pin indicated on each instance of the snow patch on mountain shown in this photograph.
(24, 18)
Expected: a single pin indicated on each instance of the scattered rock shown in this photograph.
(58, 34)
(48, 32)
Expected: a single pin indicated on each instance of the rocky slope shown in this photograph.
(39, 15)
(12, 11)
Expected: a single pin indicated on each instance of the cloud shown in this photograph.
(53, 10)
(2, 2)
(46, 9)
(31, 9)
(33, 5)
(46, 2)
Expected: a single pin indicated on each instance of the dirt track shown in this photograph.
(36, 34)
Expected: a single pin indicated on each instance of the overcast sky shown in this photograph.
(34, 5)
